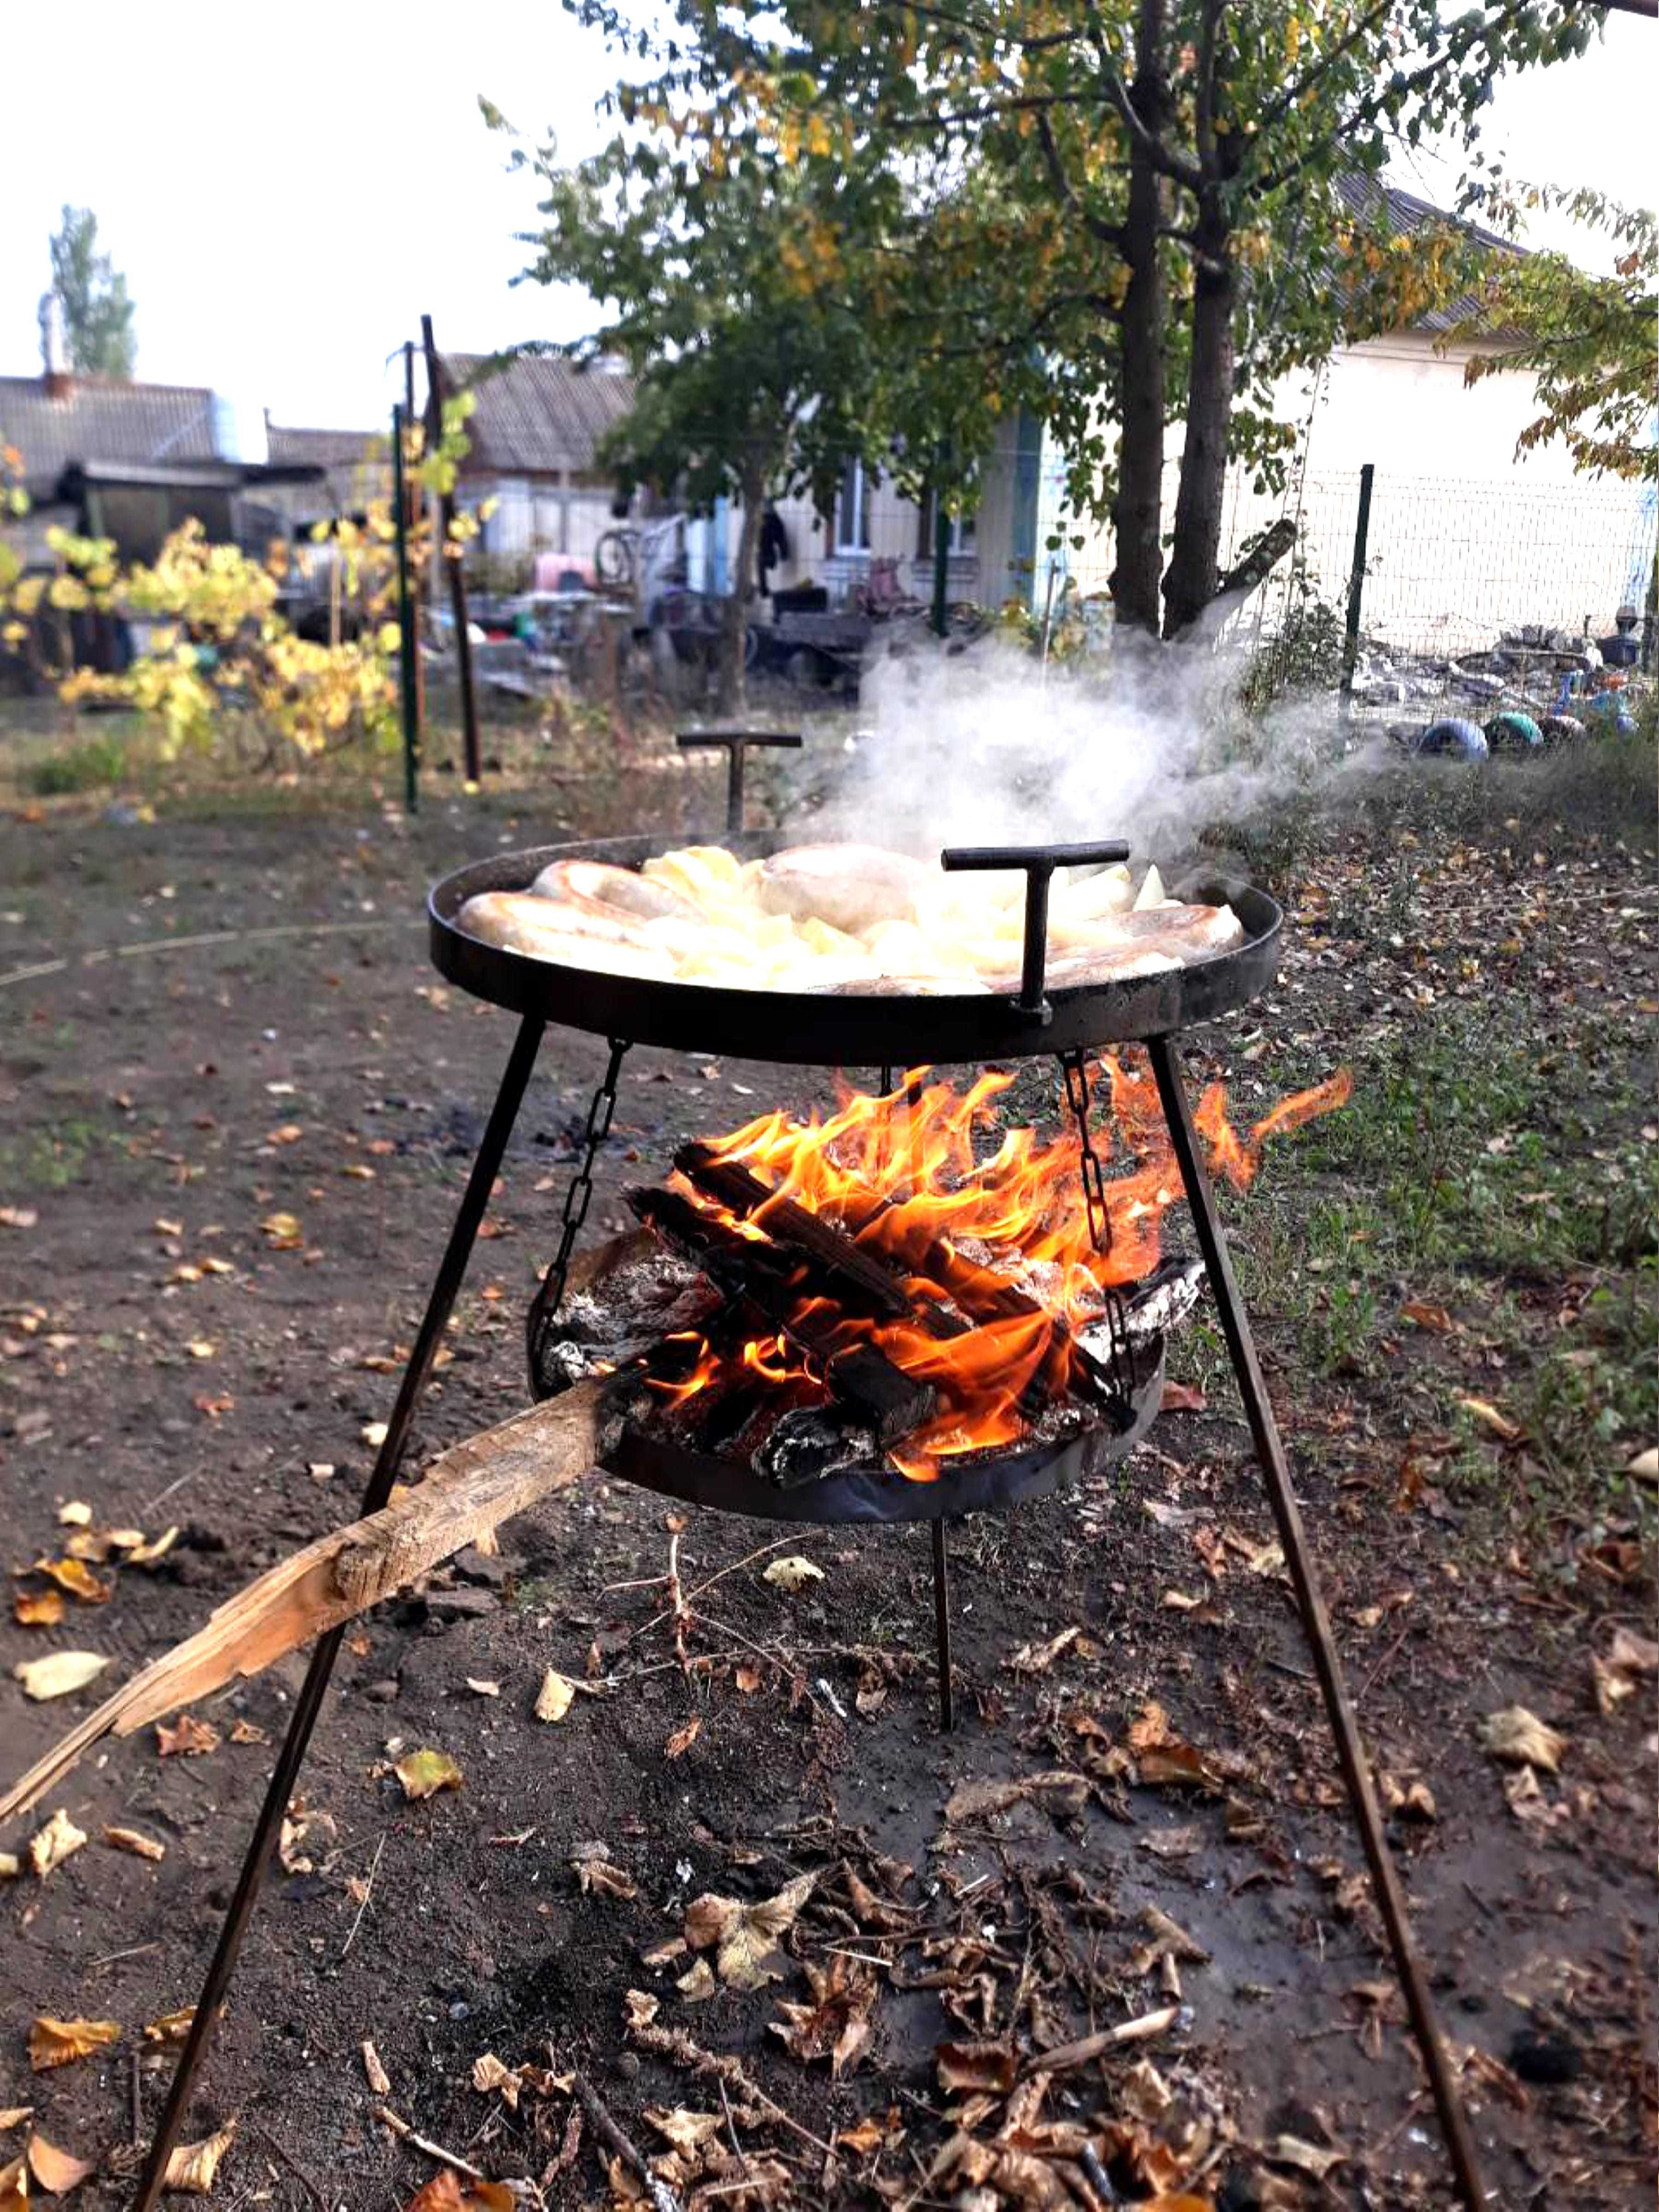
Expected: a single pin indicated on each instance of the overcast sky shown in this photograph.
(286, 189)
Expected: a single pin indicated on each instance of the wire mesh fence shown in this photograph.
(1470, 591)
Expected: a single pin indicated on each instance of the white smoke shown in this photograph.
(982, 745)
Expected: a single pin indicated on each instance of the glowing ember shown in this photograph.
(995, 1251)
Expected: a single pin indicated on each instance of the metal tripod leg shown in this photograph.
(947, 1704)
(1349, 1751)
(508, 1099)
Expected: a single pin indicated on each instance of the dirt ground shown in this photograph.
(222, 1016)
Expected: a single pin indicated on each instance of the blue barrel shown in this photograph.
(1454, 738)
(1610, 712)
(1513, 732)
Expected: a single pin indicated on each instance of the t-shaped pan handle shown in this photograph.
(735, 745)
(1039, 863)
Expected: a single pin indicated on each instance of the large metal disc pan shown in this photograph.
(819, 1029)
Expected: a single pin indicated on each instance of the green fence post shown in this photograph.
(1357, 586)
(405, 620)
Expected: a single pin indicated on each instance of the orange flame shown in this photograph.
(997, 1250)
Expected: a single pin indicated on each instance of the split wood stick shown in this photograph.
(468, 1489)
(1066, 2055)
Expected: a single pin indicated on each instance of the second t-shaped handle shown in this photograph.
(1039, 863)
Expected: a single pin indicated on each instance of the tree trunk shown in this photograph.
(1137, 512)
(734, 615)
(1191, 583)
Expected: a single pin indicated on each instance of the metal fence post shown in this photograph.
(405, 618)
(1357, 586)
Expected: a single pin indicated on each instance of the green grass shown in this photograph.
(1514, 1189)
(98, 763)
(48, 1159)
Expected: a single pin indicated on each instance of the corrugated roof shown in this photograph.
(538, 412)
(1374, 200)
(101, 419)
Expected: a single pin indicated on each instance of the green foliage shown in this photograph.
(1002, 142)
(92, 293)
(1588, 340)
(218, 652)
(735, 280)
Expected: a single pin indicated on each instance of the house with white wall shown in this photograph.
(1465, 538)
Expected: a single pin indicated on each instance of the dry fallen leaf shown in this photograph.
(374, 2072)
(187, 1738)
(58, 1672)
(866, 2136)
(424, 1773)
(597, 1875)
(456, 2192)
(697, 1983)
(1506, 1430)
(171, 2028)
(836, 2026)
(1316, 2159)
(682, 1738)
(14, 2117)
(1058, 1786)
(1182, 1398)
(56, 2171)
(639, 2007)
(193, 2167)
(373, 1434)
(283, 1231)
(51, 1845)
(482, 1688)
(10, 1866)
(13, 2177)
(553, 1700)
(988, 2068)
(1038, 1658)
(684, 2131)
(1629, 1657)
(1521, 1739)
(791, 1573)
(143, 1554)
(1644, 1466)
(1428, 1317)
(490, 2074)
(60, 2042)
(130, 1839)
(745, 1935)
(37, 1609)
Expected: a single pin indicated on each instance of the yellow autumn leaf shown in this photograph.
(61, 2042)
(77, 1578)
(133, 1841)
(192, 2168)
(746, 1936)
(424, 1773)
(51, 1845)
(56, 2171)
(58, 1673)
(554, 1697)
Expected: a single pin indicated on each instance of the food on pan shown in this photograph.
(841, 918)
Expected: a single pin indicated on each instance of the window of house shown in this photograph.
(963, 529)
(852, 509)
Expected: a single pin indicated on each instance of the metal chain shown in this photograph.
(544, 1306)
(1074, 1068)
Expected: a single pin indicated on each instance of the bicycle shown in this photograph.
(621, 554)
